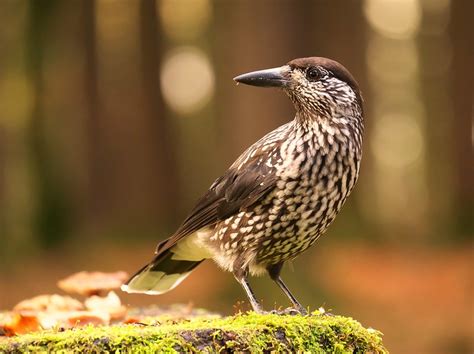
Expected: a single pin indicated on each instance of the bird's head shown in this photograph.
(318, 87)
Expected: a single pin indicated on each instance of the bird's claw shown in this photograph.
(290, 311)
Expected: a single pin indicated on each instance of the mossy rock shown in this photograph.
(250, 332)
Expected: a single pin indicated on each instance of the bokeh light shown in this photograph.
(397, 140)
(187, 80)
(394, 18)
(391, 61)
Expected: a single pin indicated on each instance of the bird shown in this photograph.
(281, 194)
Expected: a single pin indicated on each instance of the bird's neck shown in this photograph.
(342, 128)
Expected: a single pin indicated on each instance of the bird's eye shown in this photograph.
(313, 74)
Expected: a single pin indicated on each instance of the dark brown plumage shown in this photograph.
(281, 194)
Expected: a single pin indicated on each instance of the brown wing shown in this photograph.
(236, 190)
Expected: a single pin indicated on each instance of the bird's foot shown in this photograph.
(290, 311)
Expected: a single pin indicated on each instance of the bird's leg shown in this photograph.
(241, 276)
(274, 272)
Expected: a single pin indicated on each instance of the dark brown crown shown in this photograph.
(335, 68)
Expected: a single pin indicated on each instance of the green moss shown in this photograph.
(244, 332)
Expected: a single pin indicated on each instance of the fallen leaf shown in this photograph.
(49, 303)
(82, 318)
(20, 324)
(92, 283)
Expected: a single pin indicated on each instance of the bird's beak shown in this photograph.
(275, 77)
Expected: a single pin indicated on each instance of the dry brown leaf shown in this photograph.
(131, 320)
(19, 323)
(92, 283)
(82, 318)
(49, 311)
(49, 303)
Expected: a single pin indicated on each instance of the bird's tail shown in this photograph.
(167, 270)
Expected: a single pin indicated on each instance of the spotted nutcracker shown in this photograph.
(281, 194)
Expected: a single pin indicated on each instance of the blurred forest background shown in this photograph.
(116, 115)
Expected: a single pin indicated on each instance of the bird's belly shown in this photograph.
(287, 222)
(295, 232)
(273, 232)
